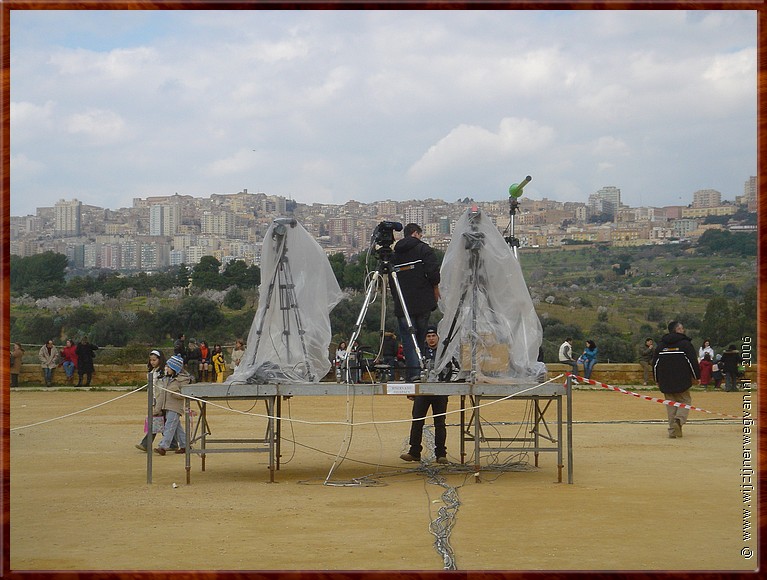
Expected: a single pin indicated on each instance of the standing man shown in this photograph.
(676, 365)
(729, 363)
(49, 360)
(179, 346)
(566, 356)
(646, 354)
(421, 404)
(85, 353)
(417, 271)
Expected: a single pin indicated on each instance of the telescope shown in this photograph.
(515, 189)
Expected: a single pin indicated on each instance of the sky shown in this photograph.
(330, 106)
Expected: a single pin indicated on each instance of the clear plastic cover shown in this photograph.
(290, 334)
(489, 322)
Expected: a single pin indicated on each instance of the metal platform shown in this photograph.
(200, 442)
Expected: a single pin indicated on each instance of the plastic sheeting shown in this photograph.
(290, 334)
(489, 322)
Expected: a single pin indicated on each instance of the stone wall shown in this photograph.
(135, 374)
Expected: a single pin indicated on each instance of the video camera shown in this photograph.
(383, 235)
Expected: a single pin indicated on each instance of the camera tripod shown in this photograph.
(282, 279)
(380, 278)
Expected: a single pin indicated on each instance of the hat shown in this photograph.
(156, 353)
(176, 363)
(431, 328)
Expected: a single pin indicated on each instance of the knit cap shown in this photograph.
(176, 363)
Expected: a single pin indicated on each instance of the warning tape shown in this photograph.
(648, 398)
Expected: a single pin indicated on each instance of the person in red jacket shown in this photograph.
(706, 370)
(69, 362)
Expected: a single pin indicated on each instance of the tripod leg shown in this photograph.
(410, 326)
(372, 288)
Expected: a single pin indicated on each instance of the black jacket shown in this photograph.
(417, 274)
(675, 363)
(730, 361)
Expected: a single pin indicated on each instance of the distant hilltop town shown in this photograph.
(164, 231)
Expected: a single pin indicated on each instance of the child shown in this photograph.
(706, 369)
(219, 365)
(156, 368)
(170, 401)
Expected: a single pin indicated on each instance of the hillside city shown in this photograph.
(164, 231)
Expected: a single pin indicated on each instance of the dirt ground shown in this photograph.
(79, 497)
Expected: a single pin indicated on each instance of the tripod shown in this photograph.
(282, 278)
(515, 191)
(380, 278)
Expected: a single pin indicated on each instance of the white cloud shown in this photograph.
(22, 167)
(467, 145)
(98, 125)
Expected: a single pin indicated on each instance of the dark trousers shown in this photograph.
(413, 363)
(421, 404)
(80, 374)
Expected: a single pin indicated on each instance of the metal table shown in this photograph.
(273, 394)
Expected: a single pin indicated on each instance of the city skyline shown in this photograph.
(331, 106)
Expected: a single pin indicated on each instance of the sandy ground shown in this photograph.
(80, 500)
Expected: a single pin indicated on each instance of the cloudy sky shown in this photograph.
(328, 106)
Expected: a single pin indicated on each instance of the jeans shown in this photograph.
(587, 366)
(421, 404)
(572, 363)
(172, 428)
(47, 376)
(412, 362)
(730, 382)
(69, 368)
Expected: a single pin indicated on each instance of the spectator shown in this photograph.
(49, 360)
(706, 365)
(69, 354)
(218, 363)
(204, 366)
(237, 352)
(706, 348)
(421, 404)
(646, 354)
(340, 360)
(716, 372)
(17, 356)
(85, 354)
(675, 367)
(729, 364)
(417, 270)
(171, 401)
(389, 353)
(193, 359)
(156, 368)
(566, 356)
(179, 346)
(589, 358)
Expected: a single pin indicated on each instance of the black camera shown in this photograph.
(383, 235)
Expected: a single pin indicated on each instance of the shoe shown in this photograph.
(408, 457)
(671, 436)
(159, 450)
(140, 447)
(442, 460)
(677, 428)
(180, 450)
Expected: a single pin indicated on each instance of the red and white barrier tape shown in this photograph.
(648, 398)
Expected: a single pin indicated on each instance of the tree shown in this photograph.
(235, 299)
(338, 264)
(39, 276)
(205, 275)
(720, 322)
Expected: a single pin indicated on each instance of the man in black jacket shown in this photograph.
(417, 270)
(676, 365)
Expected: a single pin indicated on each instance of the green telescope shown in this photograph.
(515, 189)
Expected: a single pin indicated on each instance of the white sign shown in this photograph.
(400, 389)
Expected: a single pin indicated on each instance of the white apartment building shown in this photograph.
(164, 220)
(706, 198)
(68, 218)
